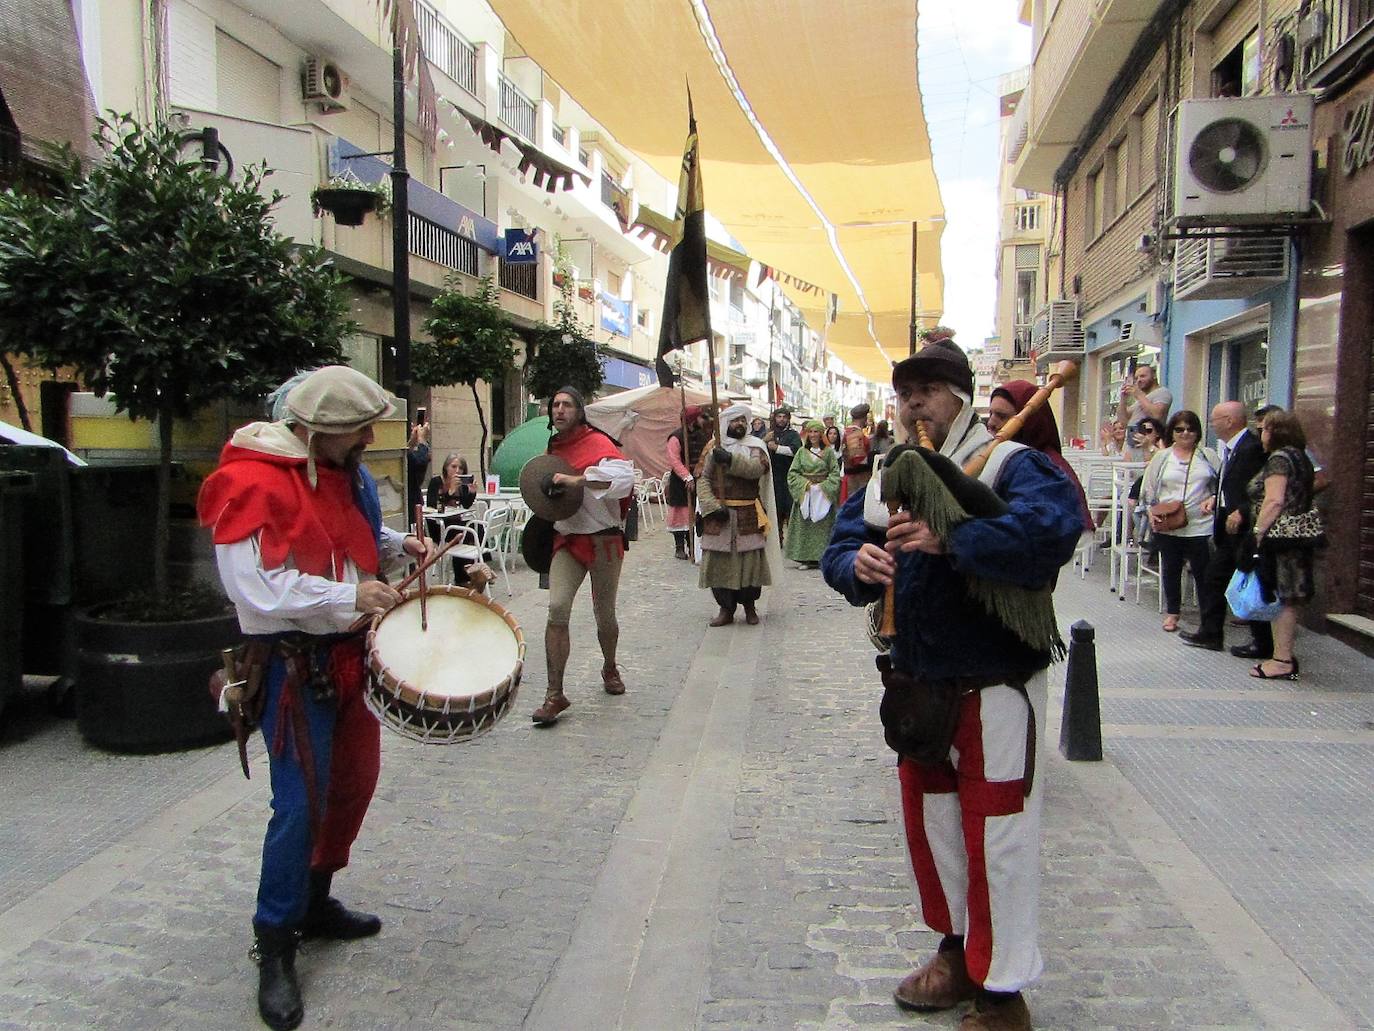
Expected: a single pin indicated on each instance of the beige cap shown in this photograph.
(337, 399)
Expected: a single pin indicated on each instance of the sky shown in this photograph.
(963, 47)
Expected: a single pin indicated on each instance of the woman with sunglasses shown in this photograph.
(1147, 436)
(1179, 478)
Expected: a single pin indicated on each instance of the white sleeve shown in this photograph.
(279, 593)
(783, 449)
(392, 543)
(621, 474)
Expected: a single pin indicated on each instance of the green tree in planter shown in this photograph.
(563, 354)
(471, 341)
(164, 284)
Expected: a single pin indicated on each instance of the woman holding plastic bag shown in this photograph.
(814, 483)
(1288, 531)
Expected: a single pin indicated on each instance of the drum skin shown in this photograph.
(451, 682)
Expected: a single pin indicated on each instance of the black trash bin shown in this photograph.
(15, 487)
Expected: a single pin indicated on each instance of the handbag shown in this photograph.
(1246, 596)
(1297, 529)
(1166, 516)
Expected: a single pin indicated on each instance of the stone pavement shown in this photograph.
(720, 847)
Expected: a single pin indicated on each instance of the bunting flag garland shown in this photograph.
(405, 32)
(686, 297)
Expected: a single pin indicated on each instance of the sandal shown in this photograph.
(1258, 671)
(1170, 624)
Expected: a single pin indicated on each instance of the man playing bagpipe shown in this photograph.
(971, 564)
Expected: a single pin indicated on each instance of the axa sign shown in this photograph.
(521, 248)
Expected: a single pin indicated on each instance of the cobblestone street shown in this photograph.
(721, 846)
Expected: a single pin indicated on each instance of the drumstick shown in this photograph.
(1066, 371)
(424, 587)
(362, 621)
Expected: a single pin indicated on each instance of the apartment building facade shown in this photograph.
(1100, 134)
(1270, 308)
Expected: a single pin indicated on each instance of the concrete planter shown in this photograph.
(141, 687)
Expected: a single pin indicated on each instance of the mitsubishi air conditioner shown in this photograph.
(1235, 267)
(1057, 332)
(1243, 160)
(324, 85)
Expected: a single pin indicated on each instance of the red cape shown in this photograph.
(254, 492)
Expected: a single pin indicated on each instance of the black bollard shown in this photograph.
(1080, 733)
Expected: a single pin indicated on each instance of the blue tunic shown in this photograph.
(941, 630)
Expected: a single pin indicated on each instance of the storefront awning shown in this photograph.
(815, 154)
(42, 79)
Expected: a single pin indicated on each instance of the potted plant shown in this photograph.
(470, 340)
(350, 200)
(167, 288)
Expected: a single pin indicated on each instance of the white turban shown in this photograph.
(733, 444)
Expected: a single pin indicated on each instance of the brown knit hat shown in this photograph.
(941, 360)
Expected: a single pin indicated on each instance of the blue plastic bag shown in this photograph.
(1245, 594)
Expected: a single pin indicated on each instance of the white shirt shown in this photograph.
(272, 601)
(601, 504)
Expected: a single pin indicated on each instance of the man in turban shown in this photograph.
(739, 520)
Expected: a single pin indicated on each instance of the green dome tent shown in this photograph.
(521, 444)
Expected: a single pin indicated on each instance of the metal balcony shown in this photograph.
(521, 278)
(446, 48)
(517, 110)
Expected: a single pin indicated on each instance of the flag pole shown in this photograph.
(687, 461)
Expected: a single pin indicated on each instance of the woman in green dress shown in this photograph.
(814, 483)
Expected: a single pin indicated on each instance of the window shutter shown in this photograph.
(191, 58)
(249, 84)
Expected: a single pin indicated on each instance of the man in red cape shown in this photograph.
(590, 542)
(299, 542)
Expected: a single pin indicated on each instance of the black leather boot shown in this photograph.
(279, 992)
(329, 918)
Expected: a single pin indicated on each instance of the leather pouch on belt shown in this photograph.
(918, 716)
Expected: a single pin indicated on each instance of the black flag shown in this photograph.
(686, 297)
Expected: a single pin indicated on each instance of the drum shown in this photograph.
(451, 682)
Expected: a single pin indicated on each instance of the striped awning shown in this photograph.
(815, 154)
(42, 79)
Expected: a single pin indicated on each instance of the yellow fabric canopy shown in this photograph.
(833, 87)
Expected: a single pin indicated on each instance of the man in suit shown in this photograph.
(1242, 456)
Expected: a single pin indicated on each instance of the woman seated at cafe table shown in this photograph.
(453, 486)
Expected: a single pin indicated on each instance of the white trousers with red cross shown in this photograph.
(974, 836)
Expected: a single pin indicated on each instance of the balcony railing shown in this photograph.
(442, 246)
(1339, 30)
(517, 110)
(522, 279)
(1025, 218)
(446, 49)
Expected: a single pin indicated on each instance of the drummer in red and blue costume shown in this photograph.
(588, 544)
(300, 544)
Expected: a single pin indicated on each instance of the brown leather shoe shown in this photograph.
(547, 714)
(1011, 1015)
(751, 615)
(723, 618)
(941, 983)
(612, 682)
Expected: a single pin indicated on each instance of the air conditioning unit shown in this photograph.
(1243, 159)
(1234, 267)
(1146, 332)
(324, 84)
(1057, 332)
